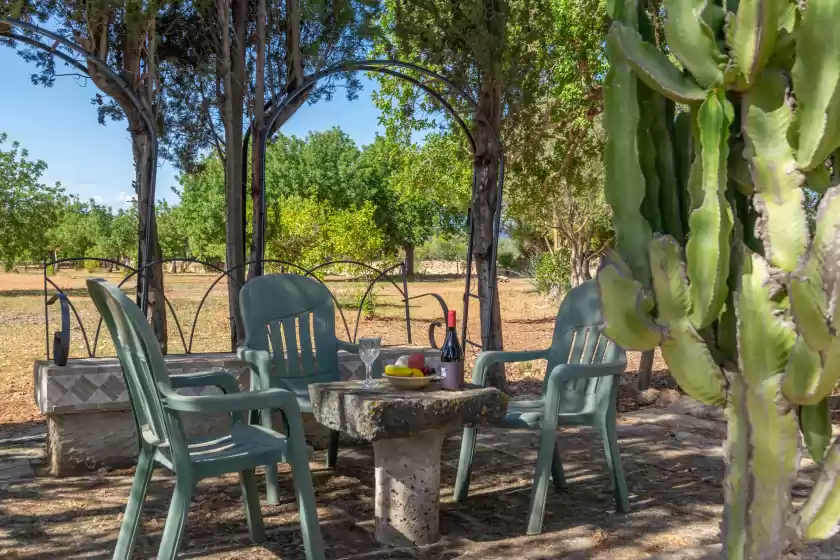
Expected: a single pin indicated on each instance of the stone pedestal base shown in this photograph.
(407, 489)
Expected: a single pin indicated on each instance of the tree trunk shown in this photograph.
(484, 196)
(233, 74)
(257, 144)
(580, 266)
(156, 311)
(143, 49)
(409, 260)
(645, 369)
(173, 267)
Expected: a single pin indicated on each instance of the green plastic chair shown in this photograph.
(290, 342)
(157, 410)
(580, 388)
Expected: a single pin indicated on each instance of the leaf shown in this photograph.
(815, 423)
(776, 180)
(653, 67)
(710, 224)
(753, 33)
(692, 41)
(816, 75)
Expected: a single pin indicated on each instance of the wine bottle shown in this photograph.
(451, 358)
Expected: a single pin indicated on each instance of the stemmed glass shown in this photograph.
(368, 352)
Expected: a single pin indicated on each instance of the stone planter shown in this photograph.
(89, 415)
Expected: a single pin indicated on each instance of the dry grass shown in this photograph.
(528, 319)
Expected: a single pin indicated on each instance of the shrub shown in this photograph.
(553, 273)
(441, 248)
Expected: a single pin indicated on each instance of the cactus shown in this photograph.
(717, 262)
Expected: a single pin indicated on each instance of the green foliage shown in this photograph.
(553, 272)
(743, 310)
(28, 208)
(443, 248)
(508, 253)
(326, 199)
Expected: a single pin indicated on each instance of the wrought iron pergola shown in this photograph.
(274, 108)
(64, 49)
(73, 54)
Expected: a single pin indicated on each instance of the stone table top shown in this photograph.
(386, 412)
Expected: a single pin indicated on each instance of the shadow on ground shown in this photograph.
(673, 465)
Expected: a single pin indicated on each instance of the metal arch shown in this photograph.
(383, 67)
(148, 118)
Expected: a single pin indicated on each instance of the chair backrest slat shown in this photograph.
(275, 336)
(304, 308)
(307, 361)
(578, 339)
(292, 356)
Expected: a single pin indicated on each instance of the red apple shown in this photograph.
(416, 361)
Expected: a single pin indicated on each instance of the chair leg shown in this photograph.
(309, 526)
(542, 472)
(176, 520)
(332, 449)
(619, 484)
(136, 498)
(251, 497)
(272, 486)
(465, 463)
(558, 477)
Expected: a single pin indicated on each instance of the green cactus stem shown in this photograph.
(626, 307)
(625, 185)
(814, 367)
(779, 196)
(692, 41)
(688, 357)
(707, 250)
(736, 479)
(821, 512)
(752, 35)
(816, 76)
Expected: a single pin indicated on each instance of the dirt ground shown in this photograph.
(673, 463)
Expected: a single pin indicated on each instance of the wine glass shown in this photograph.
(368, 352)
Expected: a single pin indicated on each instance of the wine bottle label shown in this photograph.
(451, 375)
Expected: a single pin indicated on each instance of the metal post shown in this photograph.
(405, 300)
(46, 313)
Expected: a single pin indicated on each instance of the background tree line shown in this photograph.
(327, 199)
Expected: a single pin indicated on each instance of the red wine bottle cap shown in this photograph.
(450, 319)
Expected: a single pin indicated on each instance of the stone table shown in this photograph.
(407, 429)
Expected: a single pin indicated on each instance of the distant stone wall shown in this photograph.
(443, 268)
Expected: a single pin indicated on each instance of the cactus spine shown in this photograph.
(729, 276)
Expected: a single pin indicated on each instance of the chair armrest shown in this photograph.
(259, 361)
(490, 357)
(237, 402)
(347, 346)
(562, 373)
(220, 378)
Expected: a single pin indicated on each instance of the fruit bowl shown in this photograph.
(410, 383)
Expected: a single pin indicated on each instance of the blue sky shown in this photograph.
(58, 125)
